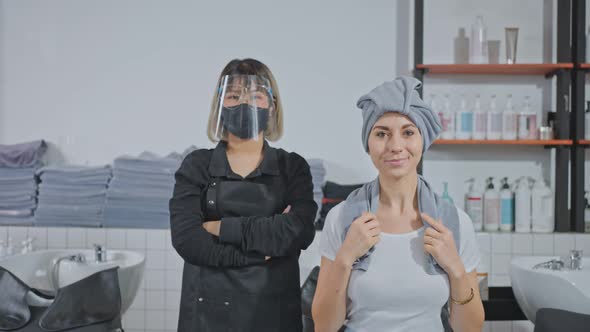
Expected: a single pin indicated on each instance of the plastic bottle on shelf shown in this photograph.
(542, 208)
(479, 120)
(445, 194)
(522, 206)
(2, 249)
(587, 121)
(527, 121)
(506, 207)
(434, 106)
(478, 44)
(474, 205)
(447, 120)
(491, 207)
(464, 121)
(586, 213)
(494, 121)
(509, 121)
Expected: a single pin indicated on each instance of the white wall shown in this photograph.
(100, 79)
(103, 78)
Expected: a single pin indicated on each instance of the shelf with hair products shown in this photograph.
(560, 139)
(546, 69)
(565, 140)
(553, 142)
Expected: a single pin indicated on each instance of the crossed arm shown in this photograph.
(239, 241)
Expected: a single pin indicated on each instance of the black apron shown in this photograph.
(256, 298)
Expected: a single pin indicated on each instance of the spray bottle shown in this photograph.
(474, 205)
(491, 207)
(506, 207)
(445, 194)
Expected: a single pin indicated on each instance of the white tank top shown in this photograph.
(395, 293)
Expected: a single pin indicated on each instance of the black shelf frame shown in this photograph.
(570, 22)
(577, 123)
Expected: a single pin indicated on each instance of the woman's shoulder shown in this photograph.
(290, 156)
(290, 162)
(333, 224)
(197, 159)
(464, 219)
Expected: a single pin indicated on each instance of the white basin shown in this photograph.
(37, 269)
(543, 288)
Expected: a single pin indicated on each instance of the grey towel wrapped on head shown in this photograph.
(399, 96)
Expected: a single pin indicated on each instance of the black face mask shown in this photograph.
(238, 120)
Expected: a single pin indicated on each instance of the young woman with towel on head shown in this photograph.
(396, 257)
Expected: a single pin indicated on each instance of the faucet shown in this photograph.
(576, 259)
(78, 258)
(100, 253)
(554, 264)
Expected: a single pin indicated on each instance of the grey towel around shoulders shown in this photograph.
(366, 198)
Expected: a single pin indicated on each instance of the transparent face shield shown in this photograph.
(244, 107)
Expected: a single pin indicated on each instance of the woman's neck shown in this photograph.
(399, 194)
(236, 145)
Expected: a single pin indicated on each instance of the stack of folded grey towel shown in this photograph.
(18, 185)
(318, 175)
(72, 195)
(139, 192)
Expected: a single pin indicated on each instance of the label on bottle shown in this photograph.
(523, 212)
(495, 124)
(523, 126)
(492, 212)
(446, 121)
(480, 121)
(532, 126)
(474, 207)
(466, 122)
(507, 209)
(509, 124)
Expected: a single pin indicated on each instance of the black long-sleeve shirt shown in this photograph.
(234, 264)
(242, 240)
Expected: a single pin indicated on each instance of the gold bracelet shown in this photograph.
(464, 301)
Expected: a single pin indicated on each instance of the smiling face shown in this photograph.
(395, 145)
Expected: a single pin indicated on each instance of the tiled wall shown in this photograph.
(156, 306)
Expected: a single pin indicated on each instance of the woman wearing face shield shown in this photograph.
(395, 256)
(242, 212)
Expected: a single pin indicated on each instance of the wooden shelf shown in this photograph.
(495, 69)
(585, 65)
(584, 142)
(555, 142)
